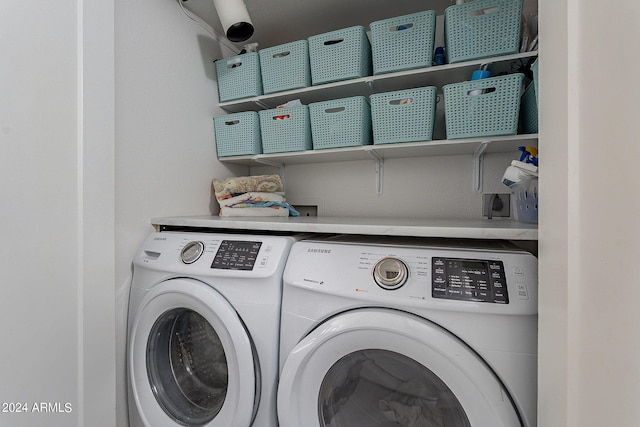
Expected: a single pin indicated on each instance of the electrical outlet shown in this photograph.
(307, 210)
(501, 204)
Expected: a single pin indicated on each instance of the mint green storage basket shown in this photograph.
(239, 77)
(403, 43)
(404, 115)
(534, 69)
(529, 110)
(237, 134)
(285, 67)
(339, 55)
(285, 129)
(485, 107)
(482, 29)
(342, 122)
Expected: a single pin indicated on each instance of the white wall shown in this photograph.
(166, 96)
(589, 248)
(56, 251)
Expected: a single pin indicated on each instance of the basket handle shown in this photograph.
(234, 63)
(401, 101)
(334, 110)
(479, 92)
(231, 122)
(335, 41)
(281, 54)
(484, 11)
(283, 117)
(402, 27)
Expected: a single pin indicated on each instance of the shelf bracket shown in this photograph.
(379, 170)
(262, 104)
(478, 166)
(280, 166)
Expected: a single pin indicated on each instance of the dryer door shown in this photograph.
(191, 360)
(376, 367)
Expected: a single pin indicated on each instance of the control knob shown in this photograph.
(191, 252)
(390, 273)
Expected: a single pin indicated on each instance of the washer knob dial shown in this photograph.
(191, 252)
(390, 273)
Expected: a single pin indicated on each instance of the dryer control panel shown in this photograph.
(469, 280)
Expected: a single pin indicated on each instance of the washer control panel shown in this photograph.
(236, 255)
(469, 280)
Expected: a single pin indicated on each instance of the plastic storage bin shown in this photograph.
(524, 201)
(529, 110)
(237, 134)
(485, 107)
(339, 55)
(285, 129)
(239, 77)
(481, 29)
(403, 43)
(285, 67)
(534, 69)
(342, 122)
(403, 115)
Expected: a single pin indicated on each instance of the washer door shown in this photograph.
(376, 367)
(191, 360)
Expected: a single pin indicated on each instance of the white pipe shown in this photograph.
(235, 19)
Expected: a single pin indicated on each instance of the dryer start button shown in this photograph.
(390, 273)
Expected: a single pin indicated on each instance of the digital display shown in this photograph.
(469, 280)
(236, 255)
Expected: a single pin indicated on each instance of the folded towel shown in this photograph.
(230, 187)
(253, 196)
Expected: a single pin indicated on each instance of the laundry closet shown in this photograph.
(107, 123)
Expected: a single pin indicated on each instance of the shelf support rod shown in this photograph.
(267, 162)
(262, 104)
(478, 166)
(379, 170)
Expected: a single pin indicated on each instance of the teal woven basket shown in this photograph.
(342, 122)
(529, 110)
(404, 115)
(403, 43)
(482, 29)
(339, 55)
(239, 77)
(285, 67)
(285, 129)
(237, 134)
(534, 69)
(486, 107)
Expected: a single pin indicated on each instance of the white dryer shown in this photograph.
(203, 330)
(408, 334)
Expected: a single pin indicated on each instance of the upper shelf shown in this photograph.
(432, 76)
(489, 144)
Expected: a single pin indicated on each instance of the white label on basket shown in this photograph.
(401, 101)
(334, 110)
(234, 63)
(281, 55)
(330, 42)
(486, 11)
(232, 122)
(401, 27)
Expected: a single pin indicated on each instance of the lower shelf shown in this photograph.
(418, 227)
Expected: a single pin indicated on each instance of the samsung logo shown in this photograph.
(318, 251)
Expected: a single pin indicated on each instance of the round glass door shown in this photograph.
(378, 388)
(187, 367)
(191, 360)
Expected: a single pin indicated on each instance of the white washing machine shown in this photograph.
(408, 334)
(203, 330)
